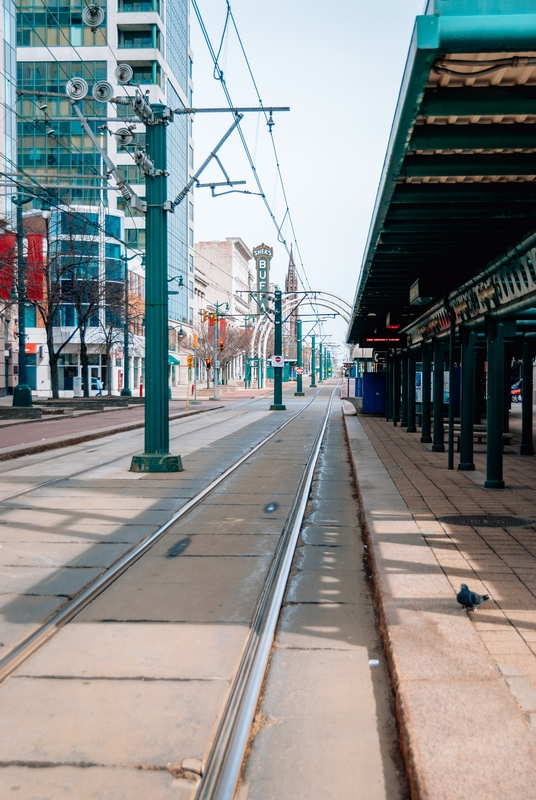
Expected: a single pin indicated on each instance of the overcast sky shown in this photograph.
(338, 66)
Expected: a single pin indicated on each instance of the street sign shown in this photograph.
(217, 364)
(278, 361)
(299, 370)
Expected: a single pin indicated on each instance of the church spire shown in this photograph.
(291, 281)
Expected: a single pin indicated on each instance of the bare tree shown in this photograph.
(64, 285)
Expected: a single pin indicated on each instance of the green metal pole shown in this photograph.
(277, 405)
(215, 370)
(389, 388)
(467, 413)
(22, 394)
(320, 362)
(426, 389)
(313, 362)
(527, 447)
(438, 445)
(404, 406)
(411, 428)
(156, 457)
(125, 391)
(494, 407)
(452, 346)
(396, 387)
(247, 366)
(299, 378)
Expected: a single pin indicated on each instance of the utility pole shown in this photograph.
(195, 401)
(247, 366)
(126, 390)
(22, 394)
(277, 405)
(299, 368)
(215, 369)
(313, 362)
(156, 457)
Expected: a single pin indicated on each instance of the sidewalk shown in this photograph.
(465, 684)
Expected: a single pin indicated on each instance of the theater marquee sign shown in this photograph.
(263, 256)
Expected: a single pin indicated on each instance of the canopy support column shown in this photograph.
(468, 341)
(426, 405)
(412, 428)
(438, 445)
(527, 447)
(389, 387)
(495, 406)
(396, 387)
(404, 414)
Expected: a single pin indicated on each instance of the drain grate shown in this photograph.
(486, 521)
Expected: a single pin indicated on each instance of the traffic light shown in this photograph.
(221, 344)
(190, 361)
(212, 319)
(204, 314)
(208, 363)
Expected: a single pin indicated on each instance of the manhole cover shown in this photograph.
(487, 521)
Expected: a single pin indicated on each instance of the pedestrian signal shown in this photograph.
(208, 363)
(221, 344)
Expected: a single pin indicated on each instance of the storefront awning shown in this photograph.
(172, 359)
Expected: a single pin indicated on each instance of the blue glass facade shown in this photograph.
(10, 85)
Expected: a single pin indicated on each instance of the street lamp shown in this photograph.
(22, 394)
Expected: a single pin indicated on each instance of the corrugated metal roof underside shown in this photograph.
(466, 190)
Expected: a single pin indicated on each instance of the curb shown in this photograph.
(461, 731)
(16, 451)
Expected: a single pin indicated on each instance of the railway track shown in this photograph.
(146, 684)
(40, 636)
(96, 446)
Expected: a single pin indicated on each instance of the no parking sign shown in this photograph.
(278, 361)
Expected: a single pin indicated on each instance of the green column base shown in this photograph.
(467, 466)
(312, 386)
(426, 439)
(493, 484)
(299, 394)
(411, 429)
(278, 407)
(526, 450)
(22, 396)
(438, 448)
(156, 462)
(126, 392)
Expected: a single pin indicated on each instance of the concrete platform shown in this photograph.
(464, 684)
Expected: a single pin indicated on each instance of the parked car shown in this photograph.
(515, 392)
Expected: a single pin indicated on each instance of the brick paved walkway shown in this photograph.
(500, 562)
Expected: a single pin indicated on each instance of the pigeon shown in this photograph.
(468, 599)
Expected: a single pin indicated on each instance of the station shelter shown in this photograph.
(448, 281)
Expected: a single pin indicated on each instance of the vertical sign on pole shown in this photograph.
(299, 367)
(263, 255)
(278, 360)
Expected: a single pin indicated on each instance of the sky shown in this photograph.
(339, 67)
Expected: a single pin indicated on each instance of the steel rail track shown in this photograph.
(224, 762)
(28, 646)
(128, 435)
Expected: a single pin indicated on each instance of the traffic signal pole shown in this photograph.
(299, 380)
(313, 362)
(277, 405)
(156, 457)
